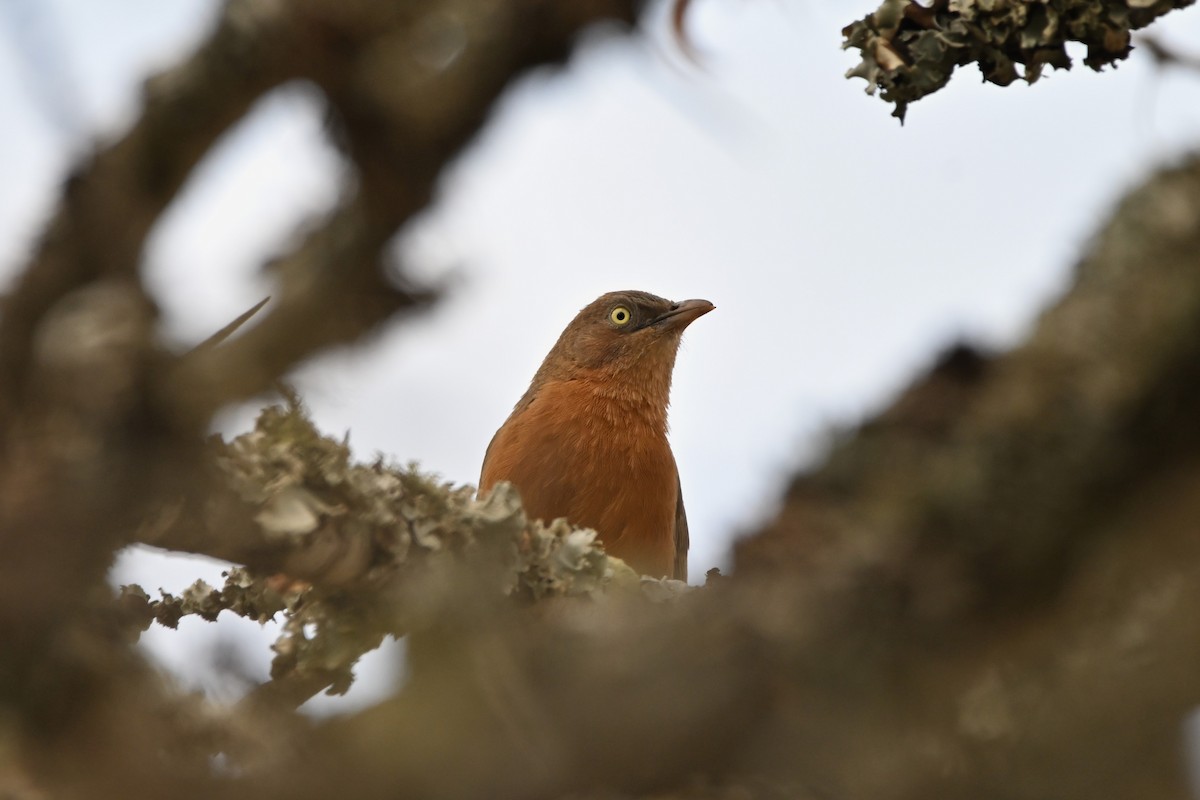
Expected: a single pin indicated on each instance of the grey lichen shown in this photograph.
(242, 594)
(367, 550)
(910, 50)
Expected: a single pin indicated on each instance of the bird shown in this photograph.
(588, 439)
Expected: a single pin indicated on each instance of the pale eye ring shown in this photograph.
(620, 315)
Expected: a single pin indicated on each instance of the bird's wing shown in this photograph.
(486, 454)
(681, 535)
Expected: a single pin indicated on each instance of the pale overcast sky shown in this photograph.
(842, 250)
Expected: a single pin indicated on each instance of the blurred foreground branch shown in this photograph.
(102, 429)
(987, 591)
(990, 590)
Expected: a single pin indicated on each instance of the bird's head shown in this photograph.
(622, 333)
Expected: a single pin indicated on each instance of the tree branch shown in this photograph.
(989, 591)
(100, 426)
(910, 50)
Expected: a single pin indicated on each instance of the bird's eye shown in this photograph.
(620, 315)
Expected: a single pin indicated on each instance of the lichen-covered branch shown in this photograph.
(296, 503)
(101, 427)
(241, 595)
(350, 552)
(988, 591)
(909, 50)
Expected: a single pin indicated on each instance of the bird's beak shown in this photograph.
(683, 313)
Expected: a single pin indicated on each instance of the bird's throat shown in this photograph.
(639, 390)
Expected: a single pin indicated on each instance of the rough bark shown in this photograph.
(101, 428)
(911, 49)
(989, 590)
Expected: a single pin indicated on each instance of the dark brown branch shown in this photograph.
(112, 200)
(102, 428)
(333, 289)
(990, 591)
(910, 50)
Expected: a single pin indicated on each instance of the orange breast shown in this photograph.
(598, 461)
